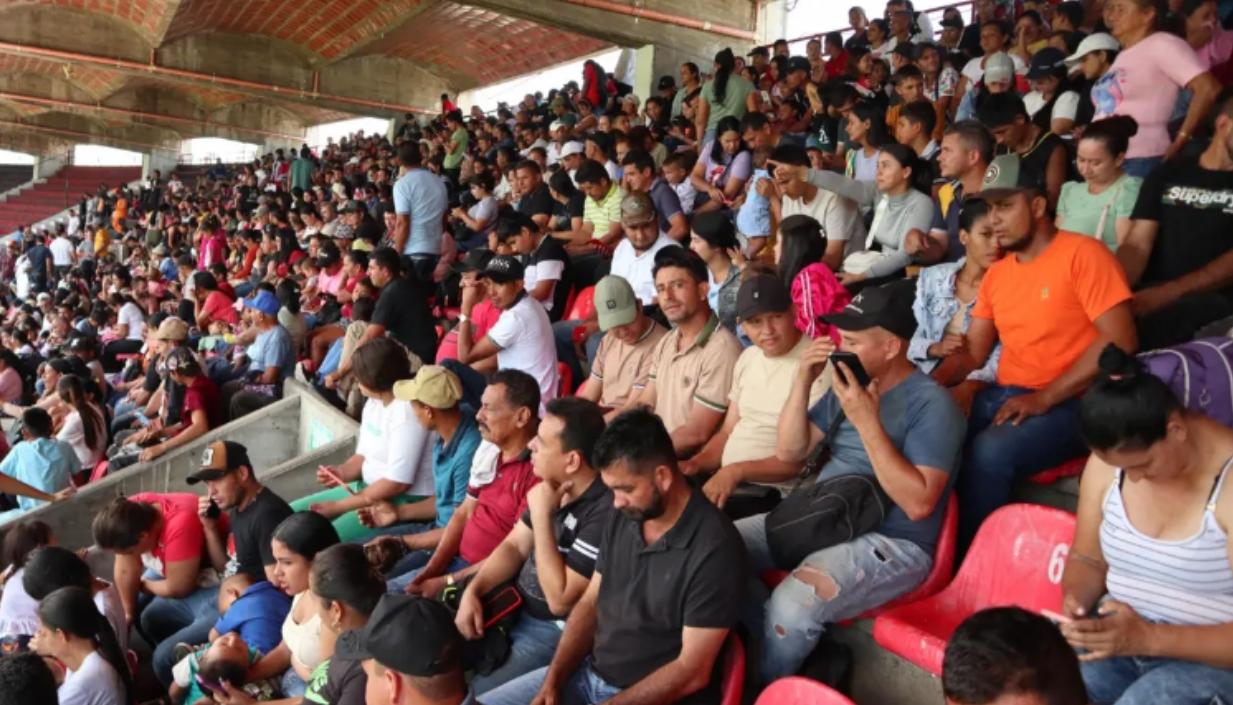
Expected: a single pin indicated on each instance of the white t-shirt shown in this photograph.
(638, 268)
(130, 314)
(524, 335)
(95, 683)
(395, 446)
(839, 217)
(109, 605)
(61, 252)
(73, 433)
(1065, 108)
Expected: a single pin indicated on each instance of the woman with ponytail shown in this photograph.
(725, 95)
(83, 428)
(72, 631)
(1148, 585)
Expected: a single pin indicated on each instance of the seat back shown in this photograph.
(583, 306)
(732, 683)
(1017, 558)
(565, 377)
(795, 690)
(100, 470)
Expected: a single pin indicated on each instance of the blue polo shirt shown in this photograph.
(43, 463)
(422, 195)
(257, 616)
(451, 468)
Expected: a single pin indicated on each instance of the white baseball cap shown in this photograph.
(1093, 42)
(572, 148)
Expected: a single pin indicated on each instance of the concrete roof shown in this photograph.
(138, 74)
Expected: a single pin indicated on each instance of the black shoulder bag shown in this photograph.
(825, 513)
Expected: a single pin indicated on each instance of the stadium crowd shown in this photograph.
(605, 349)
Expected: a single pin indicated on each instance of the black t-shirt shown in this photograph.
(402, 308)
(538, 202)
(248, 547)
(552, 250)
(1194, 208)
(564, 213)
(1037, 158)
(39, 256)
(579, 528)
(693, 576)
(341, 683)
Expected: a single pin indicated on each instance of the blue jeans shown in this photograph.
(292, 685)
(398, 584)
(167, 622)
(999, 456)
(584, 687)
(1136, 680)
(867, 571)
(532, 643)
(1141, 166)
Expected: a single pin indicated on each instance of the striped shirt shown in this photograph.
(1175, 582)
(602, 214)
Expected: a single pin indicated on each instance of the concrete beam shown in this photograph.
(620, 23)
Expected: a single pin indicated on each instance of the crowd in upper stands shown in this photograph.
(601, 346)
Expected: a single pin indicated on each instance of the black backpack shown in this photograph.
(826, 513)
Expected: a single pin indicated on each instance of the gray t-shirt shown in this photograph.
(927, 428)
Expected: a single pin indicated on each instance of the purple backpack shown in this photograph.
(1200, 373)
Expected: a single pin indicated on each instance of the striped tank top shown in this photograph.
(1189, 581)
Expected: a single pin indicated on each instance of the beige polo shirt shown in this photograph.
(623, 369)
(701, 374)
(760, 388)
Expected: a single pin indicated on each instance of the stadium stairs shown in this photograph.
(48, 197)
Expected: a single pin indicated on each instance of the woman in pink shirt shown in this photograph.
(1142, 85)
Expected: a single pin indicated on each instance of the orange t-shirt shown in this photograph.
(1044, 309)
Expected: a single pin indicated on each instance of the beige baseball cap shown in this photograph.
(432, 386)
(173, 329)
(615, 302)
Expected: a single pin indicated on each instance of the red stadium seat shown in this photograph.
(732, 688)
(583, 306)
(795, 690)
(1070, 468)
(566, 379)
(939, 575)
(1017, 558)
(99, 471)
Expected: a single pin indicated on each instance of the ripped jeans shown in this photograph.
(831, 585)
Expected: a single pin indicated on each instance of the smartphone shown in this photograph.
(853, 363)
(334, 476)
(213, 511)
(497, 606)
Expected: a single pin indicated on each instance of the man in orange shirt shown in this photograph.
(1054, 303)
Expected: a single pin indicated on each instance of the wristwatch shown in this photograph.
(449, 579)
(463, 318)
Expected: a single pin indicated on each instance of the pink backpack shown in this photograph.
(816, 291)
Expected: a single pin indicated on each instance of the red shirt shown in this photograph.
(218, 307)
(483, 317)
(500, 504)
(182, 537)
(202, 394)
(838, 64)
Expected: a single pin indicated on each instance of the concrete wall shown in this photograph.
(286, 442)
(48, 164)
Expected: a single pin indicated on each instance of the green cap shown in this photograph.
(615, 303)
(1008, 175)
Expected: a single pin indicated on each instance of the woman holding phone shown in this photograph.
(1148, 586)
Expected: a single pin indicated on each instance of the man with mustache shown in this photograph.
(666, 590)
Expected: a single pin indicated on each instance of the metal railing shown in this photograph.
(931, 12)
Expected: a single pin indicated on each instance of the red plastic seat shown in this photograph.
(1017, 559)
(565, 377)
(100, 470)
(583, 306)
(732, 660)
(1070, 468)
(940, 574)
(795, 690)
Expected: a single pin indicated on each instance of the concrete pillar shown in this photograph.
(163, 160)
(46, 165)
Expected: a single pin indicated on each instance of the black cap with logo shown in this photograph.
(888, 306)
(503, 269)
(762, 293)
(414, 636)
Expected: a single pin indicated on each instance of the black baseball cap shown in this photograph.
(666, 82)
(762, 293)
(759, 51)
(799, 63)
(888, 306)
(503, 269)
(218, 459)
(1045, 62)
(414, 636)
(474, 261)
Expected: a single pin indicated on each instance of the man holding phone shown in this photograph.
(902, 429)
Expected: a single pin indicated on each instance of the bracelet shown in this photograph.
(1184, 136)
